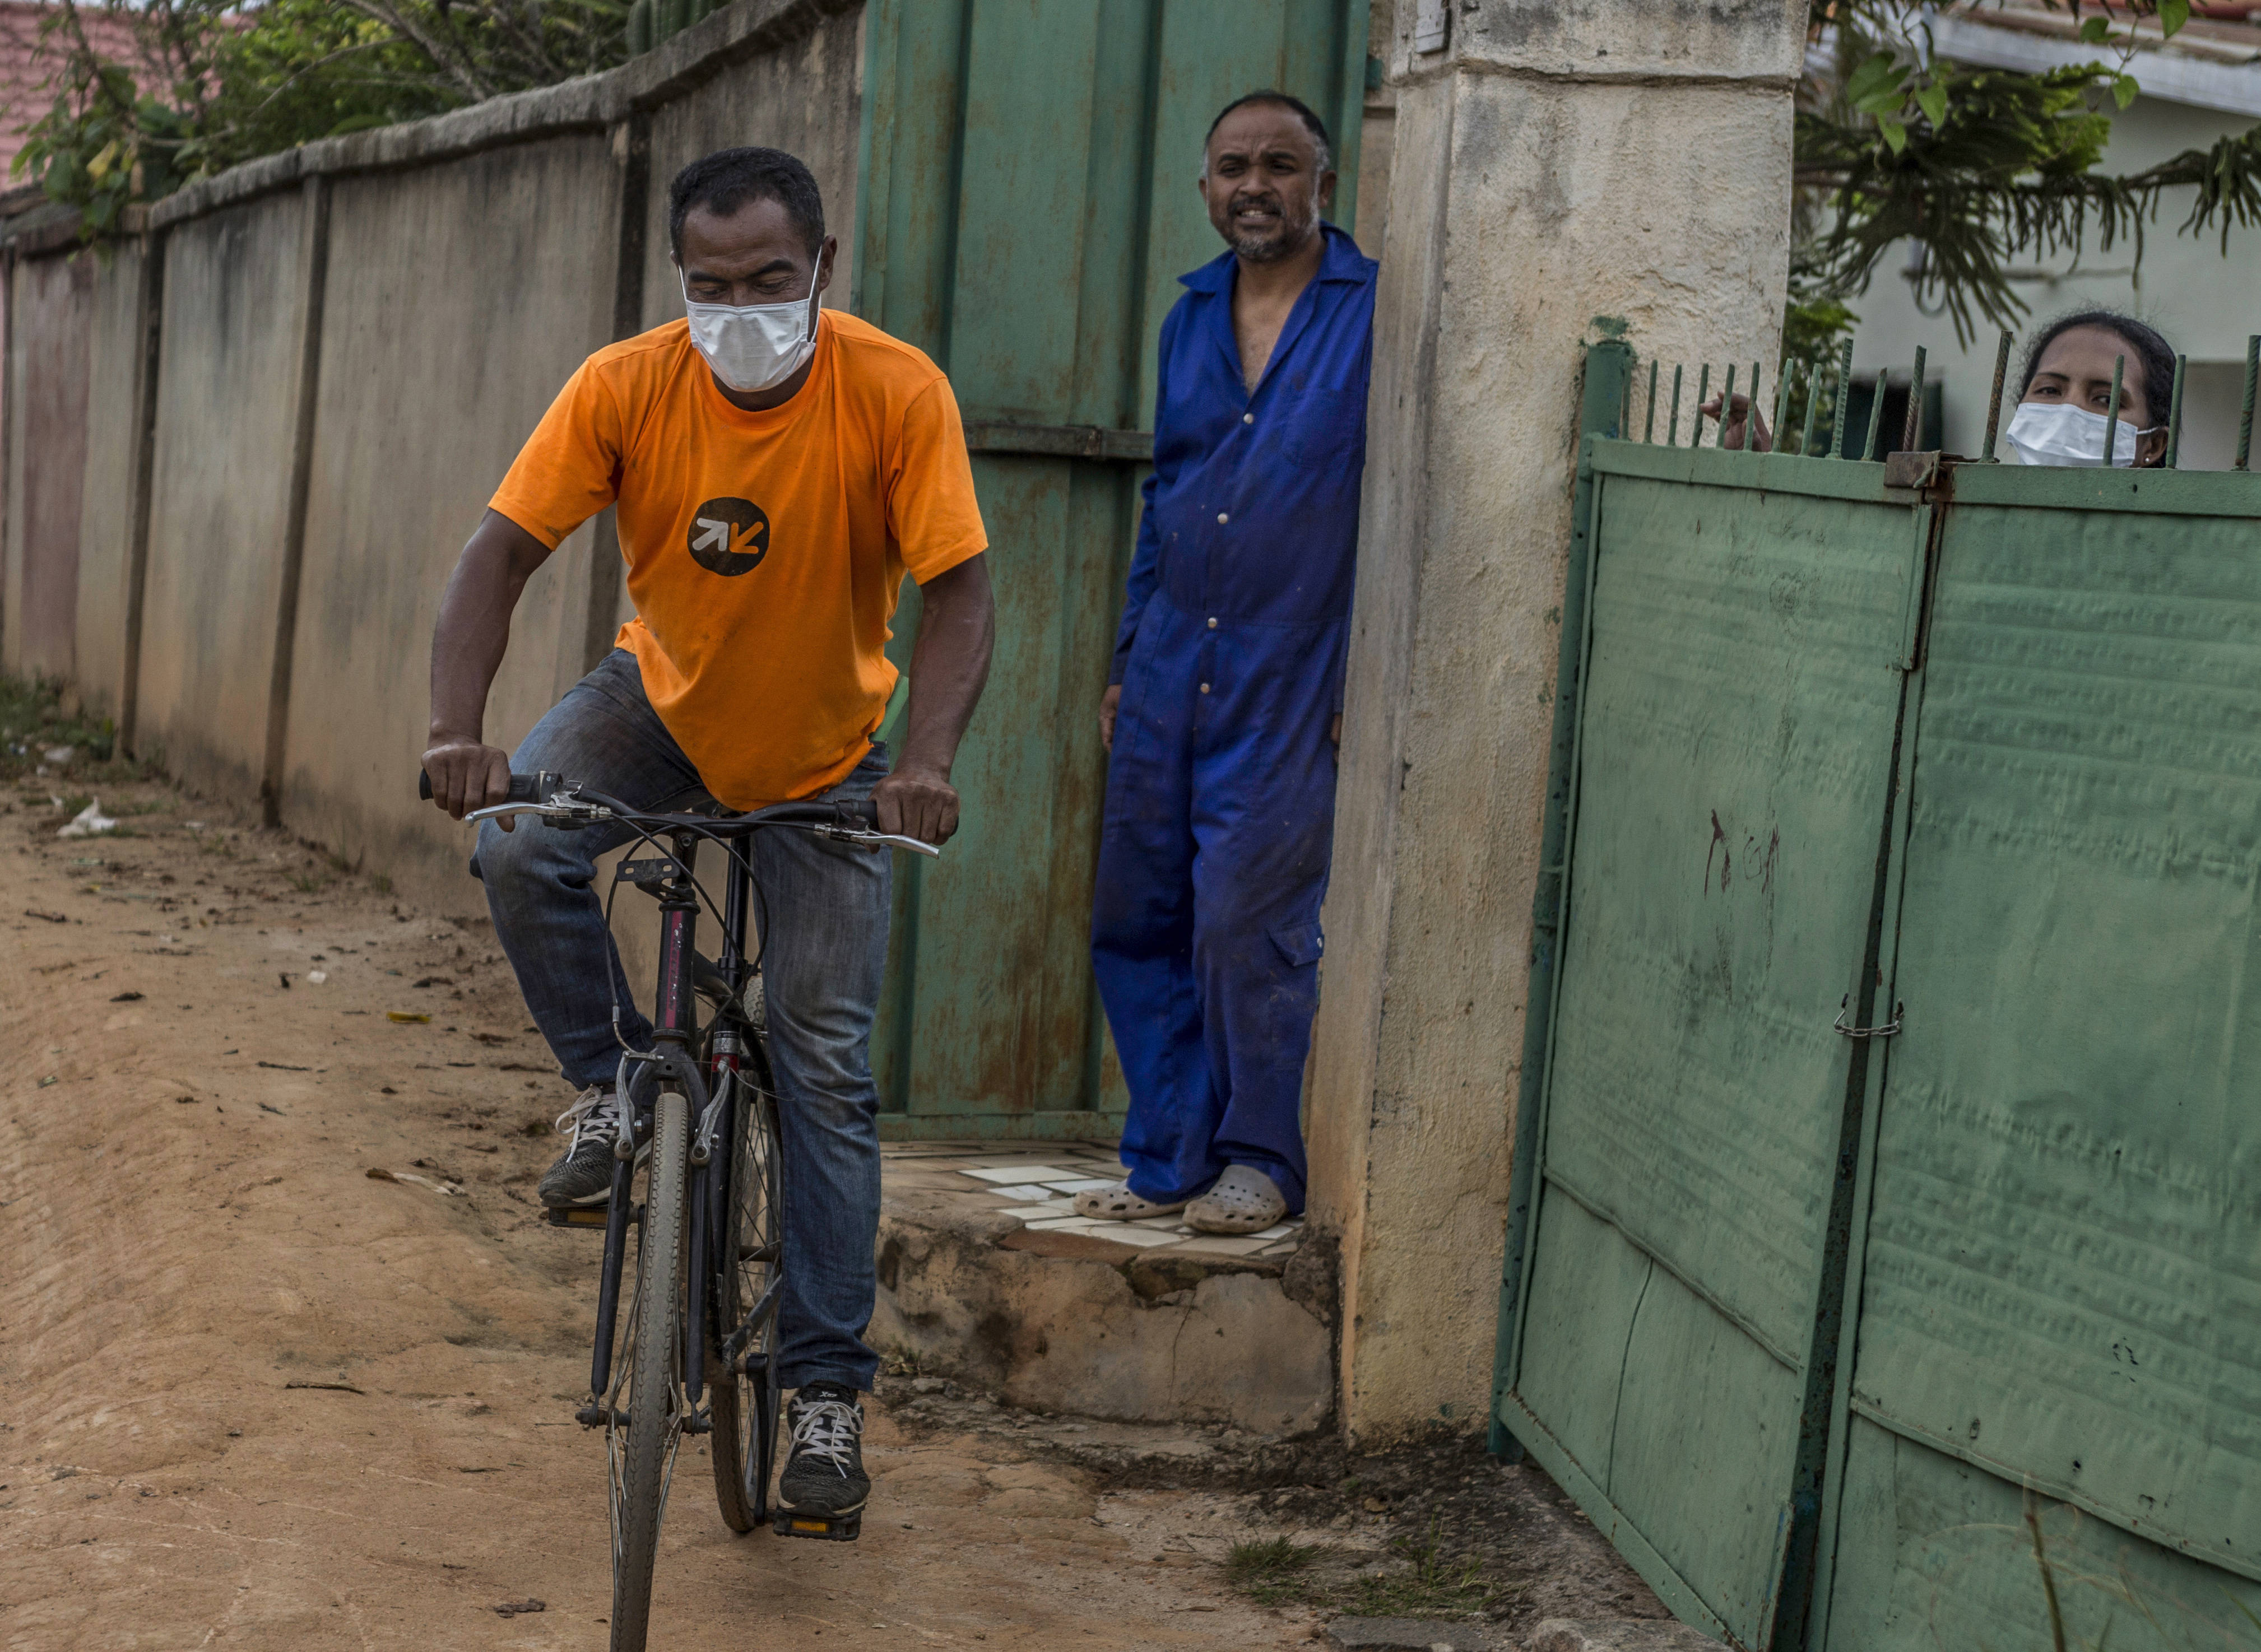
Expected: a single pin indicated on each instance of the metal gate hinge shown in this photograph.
(1844, 1008)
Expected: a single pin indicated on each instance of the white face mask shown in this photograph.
(2059, 433)
(754, 346)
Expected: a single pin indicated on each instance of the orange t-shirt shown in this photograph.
(765, 550)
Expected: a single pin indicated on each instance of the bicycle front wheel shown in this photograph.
(647, 1419)
(742, 1371)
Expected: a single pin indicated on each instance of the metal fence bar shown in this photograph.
(1912, 427)
(1649, 432)
(1844, 400)
(1994, 401)
(1703, 395)
(2245, 414)
(1672, 430)
(1751, 417)
(2175, 414)
(1782, 398)
(2112, 413)
(1875, 418)
(1726, 407)
(1812, 407)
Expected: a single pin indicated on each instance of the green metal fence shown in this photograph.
(1027, 203)
(1888, 1197)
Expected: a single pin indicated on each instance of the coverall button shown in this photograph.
(1248, 419)
(1212, 622)
(1204, 688)
(1222, 516)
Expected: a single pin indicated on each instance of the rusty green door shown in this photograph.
(1027, 204)
(2059, 1285)
(1809, 1324)
(1743, 671)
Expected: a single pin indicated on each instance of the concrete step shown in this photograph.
(987, 1277)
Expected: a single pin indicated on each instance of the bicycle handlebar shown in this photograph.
(523, 788)
(854, 819)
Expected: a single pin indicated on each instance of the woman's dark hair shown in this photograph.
(2154, 353)
(727, 179)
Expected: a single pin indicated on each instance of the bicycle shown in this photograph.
(701, 1318)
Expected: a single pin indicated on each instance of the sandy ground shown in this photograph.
(257, 1398)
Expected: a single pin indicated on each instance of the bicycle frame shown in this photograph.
(712, 1089)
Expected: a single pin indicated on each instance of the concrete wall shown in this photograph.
(53, 303)
(1557, 172)
(354, 337)
(420, 408)
(233, 330)
(107, 492)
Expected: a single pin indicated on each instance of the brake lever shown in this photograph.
(582, 813)
(874, 839)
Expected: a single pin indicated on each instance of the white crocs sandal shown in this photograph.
(1241, 1201)
(1119, 1203)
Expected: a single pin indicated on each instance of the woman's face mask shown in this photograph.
(754, 346)
(2059, 433)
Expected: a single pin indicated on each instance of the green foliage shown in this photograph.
(1980, 165)
(216, 83)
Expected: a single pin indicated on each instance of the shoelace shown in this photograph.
(594, 1113)
(826, 1428)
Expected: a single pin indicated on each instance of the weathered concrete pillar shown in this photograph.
(1558, 170)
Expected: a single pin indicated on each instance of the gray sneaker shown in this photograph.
(583, 1175)
(824, 1473)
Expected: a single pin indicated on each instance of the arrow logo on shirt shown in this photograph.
(729, 536)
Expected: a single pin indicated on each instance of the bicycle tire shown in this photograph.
(744, 1403)
(654, 1353)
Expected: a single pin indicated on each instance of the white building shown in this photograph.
(2199, 86)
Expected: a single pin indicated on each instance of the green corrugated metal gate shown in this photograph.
(1801, 1319)
(1027, 204)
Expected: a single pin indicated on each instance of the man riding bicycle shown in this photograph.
(776, 468)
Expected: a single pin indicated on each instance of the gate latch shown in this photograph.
(1844, 1008)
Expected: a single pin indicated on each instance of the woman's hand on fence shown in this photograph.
(1741, 415)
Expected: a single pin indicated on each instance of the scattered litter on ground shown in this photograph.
(127, 998)
(376, 1173)
(88, 822)
(511, 1608)
(64, 917)
(406, 1016)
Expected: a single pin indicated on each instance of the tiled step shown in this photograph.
(988, 1274)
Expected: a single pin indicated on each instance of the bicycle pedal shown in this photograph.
(577, 1216)
(843, 1529)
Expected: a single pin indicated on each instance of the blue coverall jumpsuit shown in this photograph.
(1220, 789)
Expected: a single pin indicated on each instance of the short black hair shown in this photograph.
(2154, 353)
(727, 179)
(1294, 105)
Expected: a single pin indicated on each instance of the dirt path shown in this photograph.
(257, 1398)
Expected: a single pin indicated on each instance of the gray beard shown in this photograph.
(1292, 239)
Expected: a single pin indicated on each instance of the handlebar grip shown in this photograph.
(523, 788)
(862, 809)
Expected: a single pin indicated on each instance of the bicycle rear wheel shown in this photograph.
(647, 1419)
(743, 1379)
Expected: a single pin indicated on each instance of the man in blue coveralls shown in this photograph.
(1226, 706)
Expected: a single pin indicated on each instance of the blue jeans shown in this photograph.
(823, 910)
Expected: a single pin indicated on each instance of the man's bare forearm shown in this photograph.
(957, 628)
(950, 666)
(468, 643)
